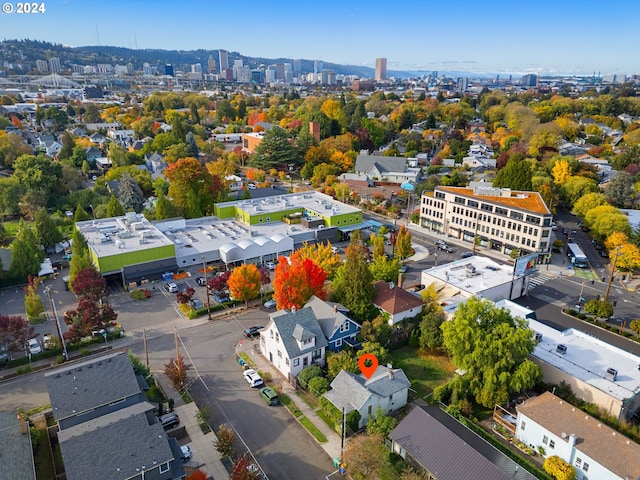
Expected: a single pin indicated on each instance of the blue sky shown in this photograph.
(560, 36)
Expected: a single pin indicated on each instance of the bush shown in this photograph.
(559, 469)
(318, 385)
(599, 308)
(142, 294)
(307, 374)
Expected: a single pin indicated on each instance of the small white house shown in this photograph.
(387, 388)
(293, 340)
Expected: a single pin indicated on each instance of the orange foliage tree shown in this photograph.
(197, 475)
(295, 282)
(244, 282)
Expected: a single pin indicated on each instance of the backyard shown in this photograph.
(425, 370)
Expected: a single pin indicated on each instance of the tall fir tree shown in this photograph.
(26, 254)
(130, 194)
(114, 207)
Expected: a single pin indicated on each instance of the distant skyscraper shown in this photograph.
(529, 80)
(42, 65)
(168, 69)
(318, 66)
(147, 69)
(54, 65)
(381, 69)
(211, 65)
(224, 60)
(196, 68)
(297, 67)
(462, 84)
(280, 71)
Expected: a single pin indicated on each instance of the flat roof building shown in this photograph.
(502, 219)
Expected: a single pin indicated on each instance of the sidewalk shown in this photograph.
(204, 457)
(333, 444)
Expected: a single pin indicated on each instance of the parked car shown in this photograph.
(169, 420)
(270, 303)
(221, 297)
(403, 269)
(604, 253)
(34, 346)
(439, 242)
(270, 265)
(186, 453)
(270, 396)
(554, 226)
(196, 303)
(253, 378)
(466, 255)
(172, 287)
(200, 281)
(4, 356)
(253, 331)
(251, 186)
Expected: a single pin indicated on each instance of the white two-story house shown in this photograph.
(293, 340)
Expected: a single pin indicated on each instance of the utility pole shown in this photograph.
(613, 272)
(178, 362)
(55, 317)
(206, 286)
(475, 235)
(344, 427)
(146, 351)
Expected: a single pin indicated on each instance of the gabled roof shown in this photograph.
(611, 449)
(17, 452)
(82, 386)
(450, 451)
(330, 315)
(351, 391)
(393, 299)
(116, 445)
(301, 324)
(384, 164)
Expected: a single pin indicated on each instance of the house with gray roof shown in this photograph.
(434, 441)
(338, 328)
(387, 388)
(293, 340)
(386, 169)
(106, 428)
(16, 448)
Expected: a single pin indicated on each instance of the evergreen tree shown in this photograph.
(516, 174)
(114, 207)
(26, 255)
(67, 146)
(354, 281)
(192, 147)
(80, 258)
(275, 150)
(164, 208)
(46, 230)
(80, 214)
(130, 194)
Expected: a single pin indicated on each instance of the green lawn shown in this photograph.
(317, 434)
(425, 370)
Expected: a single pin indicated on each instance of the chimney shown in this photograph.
(335, 309)
(400, 280)
(23, 423)
(314, 129)
(390, 374)
(572, 440)
(293, 309)
(391, 285)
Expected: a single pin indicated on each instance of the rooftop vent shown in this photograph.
(611, 374)
(561, 349)
(538, 337)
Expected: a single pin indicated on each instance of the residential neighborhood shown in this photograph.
(201, 256)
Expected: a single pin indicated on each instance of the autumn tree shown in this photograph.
(561, 172)
(88, 283)
(218, 283)
(192, 187)
(628, 257)
(366, 456)
(576, 187)
(587, 202)
(493, 348)
(15, 332)
(294, 283)
(377, 330)
(342, 360)
(615, 240)
(558, 468)
(12, 146)
(403, 242)
(33, 303)
(244, 283)
(322, 255)
(226, 439)
(176, 371)
(185, 296)
(241, 469)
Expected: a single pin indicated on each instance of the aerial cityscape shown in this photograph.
(313, 242)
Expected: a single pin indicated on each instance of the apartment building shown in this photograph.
(499, 218)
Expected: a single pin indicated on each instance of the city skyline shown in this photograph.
(476, 37)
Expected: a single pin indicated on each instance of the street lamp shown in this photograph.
(206, 286)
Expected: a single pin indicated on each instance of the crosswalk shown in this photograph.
(537, 279)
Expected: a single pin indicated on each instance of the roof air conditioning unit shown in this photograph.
(561, 349)
(538, 337)
(611, 374)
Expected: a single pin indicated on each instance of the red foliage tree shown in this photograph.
(265, 278)
(219, 282)
(15, 331)
(244, 469)
(295, 282)
(185, 296)
(88, 283)
(197, 475)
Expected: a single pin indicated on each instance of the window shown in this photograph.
(578, 462)
(339, 342)
(316, 354)
(296, 362)
(523, 424)
(271, 333)
(308, 341)
(472, 203)
(164, 468)
(585, 466)
(459, 200)
(277, 337)
(545, 439)
(501, 211)
(552, 444)
(344, 327)
(279, 354)
(286, 361)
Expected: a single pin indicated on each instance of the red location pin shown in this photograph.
(372, 361)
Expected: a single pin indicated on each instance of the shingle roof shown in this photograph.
(384, 164)
(302, 323)
(116, 445)
(592, 437)
(393, 299)
(351, 391)
(523, 200)
(450, 451)
(329, 319)
(82, 386)
(15, 446)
